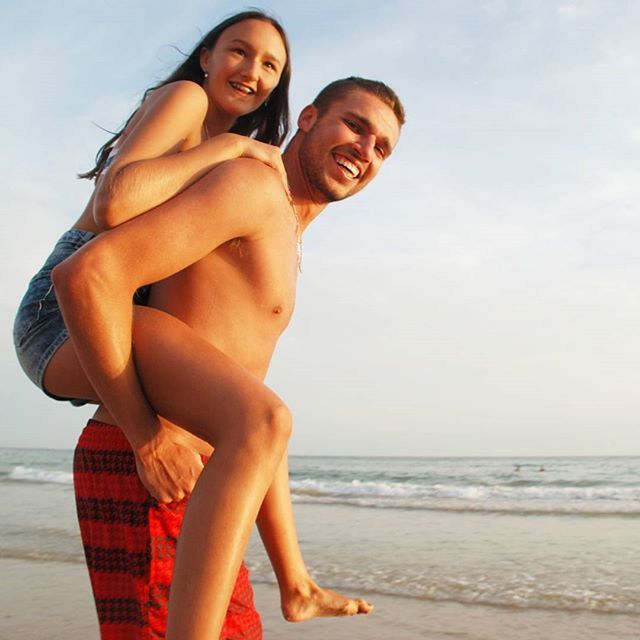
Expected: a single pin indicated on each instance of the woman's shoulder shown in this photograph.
(181, 94)
(182, 102)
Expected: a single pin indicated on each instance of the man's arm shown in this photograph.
(95, 285)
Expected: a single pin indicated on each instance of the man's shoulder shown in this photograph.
(251, 167)
(257, 184)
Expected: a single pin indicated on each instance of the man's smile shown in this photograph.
(349, 169)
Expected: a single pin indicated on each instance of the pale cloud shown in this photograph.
(573, 11)
(618, 186)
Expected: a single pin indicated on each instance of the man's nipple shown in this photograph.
(277, 309)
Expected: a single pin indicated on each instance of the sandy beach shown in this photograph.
(52, 601)
(444, 548)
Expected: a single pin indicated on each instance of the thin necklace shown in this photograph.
(298, 235)
(205, 131)
(207, 136)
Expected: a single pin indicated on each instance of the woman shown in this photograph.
(233, 85)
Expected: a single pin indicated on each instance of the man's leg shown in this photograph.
(130, 543)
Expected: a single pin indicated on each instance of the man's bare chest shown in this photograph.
(242, 284)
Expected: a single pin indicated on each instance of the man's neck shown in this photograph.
(307, 207)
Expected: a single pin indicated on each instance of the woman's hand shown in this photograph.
(267, 153)
(168, 470)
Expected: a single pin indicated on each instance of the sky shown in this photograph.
(479, 298)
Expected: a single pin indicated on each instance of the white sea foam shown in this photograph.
(31, 474)
(493, 589)
(536, 499)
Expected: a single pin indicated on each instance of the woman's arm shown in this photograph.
(162, 154)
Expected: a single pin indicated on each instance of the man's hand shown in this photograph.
(168, 470)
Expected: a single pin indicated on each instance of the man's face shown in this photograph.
(344, 148)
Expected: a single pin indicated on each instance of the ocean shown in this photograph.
(546, 534)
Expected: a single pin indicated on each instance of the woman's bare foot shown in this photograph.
(311, 601)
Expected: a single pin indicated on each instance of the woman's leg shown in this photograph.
(191, 383)
(65, 378)
(169, 474)
(300, 597)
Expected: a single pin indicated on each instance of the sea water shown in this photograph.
(555, 534)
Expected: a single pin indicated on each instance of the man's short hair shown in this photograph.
(338, 89)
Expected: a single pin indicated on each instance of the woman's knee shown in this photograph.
(280, 422)
(268, 427)
(242, 412)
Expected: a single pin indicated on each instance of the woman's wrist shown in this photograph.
(147, 443)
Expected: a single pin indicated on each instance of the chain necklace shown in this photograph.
(206, 136)
(298, 234)
(205, 131)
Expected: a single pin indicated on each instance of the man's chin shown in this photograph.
(336, 192)
(348, 192)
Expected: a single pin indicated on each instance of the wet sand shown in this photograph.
(52, 601)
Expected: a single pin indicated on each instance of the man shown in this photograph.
(224, 255)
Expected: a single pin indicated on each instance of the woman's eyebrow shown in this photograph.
(271, 56)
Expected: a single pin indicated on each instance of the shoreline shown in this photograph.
(53, 600)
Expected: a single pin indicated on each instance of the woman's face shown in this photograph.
(244, 66)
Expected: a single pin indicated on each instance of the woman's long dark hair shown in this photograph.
(268, 123)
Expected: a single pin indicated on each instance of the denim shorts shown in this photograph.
(39, 330)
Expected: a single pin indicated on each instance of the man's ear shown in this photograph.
(307, 118)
